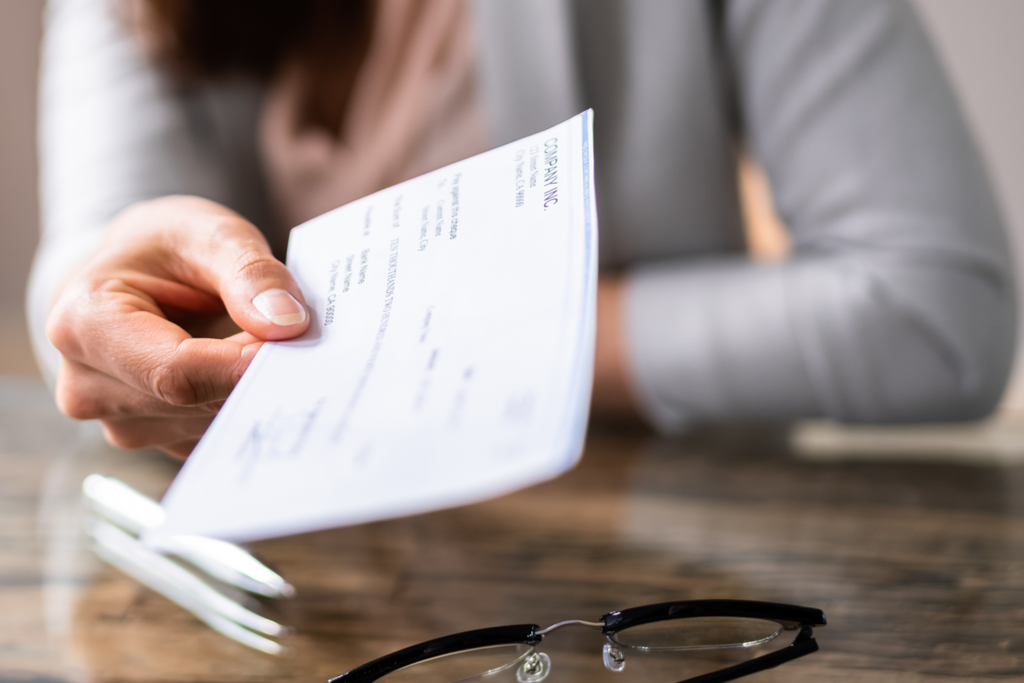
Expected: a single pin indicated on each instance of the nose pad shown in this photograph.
(614, 660)
(535, 669)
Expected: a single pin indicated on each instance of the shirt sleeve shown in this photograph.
(897, 301)
(112, 132)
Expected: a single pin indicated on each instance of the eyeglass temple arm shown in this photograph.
(803, 645)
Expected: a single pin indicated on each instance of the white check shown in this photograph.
(449, 358)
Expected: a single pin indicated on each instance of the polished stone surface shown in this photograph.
(919, 565)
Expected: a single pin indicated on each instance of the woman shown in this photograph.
(163, 122)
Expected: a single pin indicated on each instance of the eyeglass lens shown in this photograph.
(698, 633)
(522, 664)
(467, 665)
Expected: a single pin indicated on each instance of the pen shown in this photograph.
(122, 505)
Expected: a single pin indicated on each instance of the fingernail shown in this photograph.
(279, 307)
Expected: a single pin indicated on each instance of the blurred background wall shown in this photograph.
(20, 27)
(978, 39)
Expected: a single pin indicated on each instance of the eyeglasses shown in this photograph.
(663, 628)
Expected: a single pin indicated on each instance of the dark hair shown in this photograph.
(198, 40)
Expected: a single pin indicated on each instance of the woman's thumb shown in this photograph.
(233, 257)
(263, 298)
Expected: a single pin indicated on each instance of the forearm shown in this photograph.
(857, 335)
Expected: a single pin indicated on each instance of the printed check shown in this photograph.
(449, 358)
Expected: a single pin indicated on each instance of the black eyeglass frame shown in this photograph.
(790, 617)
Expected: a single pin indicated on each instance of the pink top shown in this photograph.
(414, 107)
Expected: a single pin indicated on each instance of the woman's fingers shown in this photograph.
(173, 435)
(114, 329)
(180, 449)
(86, 394)
(126, 360)
(218, 250)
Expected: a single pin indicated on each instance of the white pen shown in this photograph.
(185, 589)
(127, 508)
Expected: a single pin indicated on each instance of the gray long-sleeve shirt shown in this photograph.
(897, 302)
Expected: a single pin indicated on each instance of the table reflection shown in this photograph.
(918, 565)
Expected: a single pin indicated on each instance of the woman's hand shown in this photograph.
(122, 324)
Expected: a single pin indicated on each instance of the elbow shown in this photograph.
(956, 371)
(937, 346)
(988, 367)
(973, 389)
(980, 356)
(981, 381)
(925, 381)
